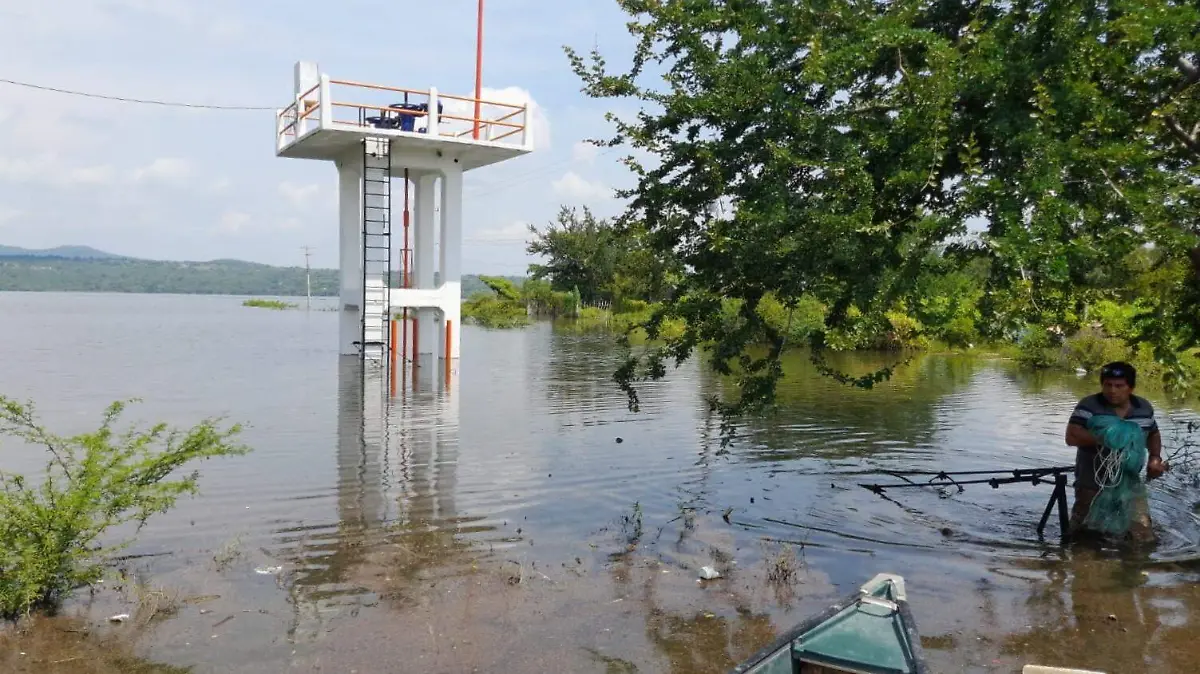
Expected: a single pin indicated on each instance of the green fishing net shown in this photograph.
(1118, 473)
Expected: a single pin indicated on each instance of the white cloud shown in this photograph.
(574, 187)
(584, 152)
(517, 232)
(9, 214)
(89, 17)
(239, 222)
(513, 95)
(27, 126)
(102, 174)
(43, 128)
(225, 28)
(163, 169)
(231, 222)
(299, 195)
(49, 169)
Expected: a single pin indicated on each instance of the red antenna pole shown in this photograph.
(478, 66)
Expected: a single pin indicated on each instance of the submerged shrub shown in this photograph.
(492, 311)
(1037, 349)
(278, 305)
(51, 526)
(1090, 348)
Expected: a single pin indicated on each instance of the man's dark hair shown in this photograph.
(1119, 370)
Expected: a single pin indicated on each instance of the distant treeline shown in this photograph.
(129, 275)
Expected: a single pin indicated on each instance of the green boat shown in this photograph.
(869, 632)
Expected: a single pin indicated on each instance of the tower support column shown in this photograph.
(424, 261)
(350, 174)
(451, 260)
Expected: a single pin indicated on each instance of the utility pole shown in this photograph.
(307, 278)
(478, 65)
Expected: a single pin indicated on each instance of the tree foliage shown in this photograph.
(580, 251)
(51, 527)
(854, 138)
(602, 259)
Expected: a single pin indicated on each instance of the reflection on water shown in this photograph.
(1095, 613)
(522, 519)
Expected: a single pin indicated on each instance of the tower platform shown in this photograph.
(331, 117)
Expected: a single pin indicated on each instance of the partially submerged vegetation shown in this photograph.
(502, 306)
(268, 304)
(53, 526)
(596, 280)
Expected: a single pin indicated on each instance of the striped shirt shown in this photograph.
(1140, 412)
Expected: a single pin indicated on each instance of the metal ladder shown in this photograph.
(377, 249)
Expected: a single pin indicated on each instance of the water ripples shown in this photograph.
(533, 458)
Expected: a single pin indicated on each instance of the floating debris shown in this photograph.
(709, 573)
(119, 618)
(268, 570)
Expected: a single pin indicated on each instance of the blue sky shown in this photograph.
(185, 184)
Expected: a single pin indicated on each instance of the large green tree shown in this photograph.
(601, 258)
(852, 138)
(579, 252)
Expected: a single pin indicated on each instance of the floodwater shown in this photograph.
(525, 521)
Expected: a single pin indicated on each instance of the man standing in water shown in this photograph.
(1115, 397)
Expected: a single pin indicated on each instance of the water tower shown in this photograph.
(375, 134)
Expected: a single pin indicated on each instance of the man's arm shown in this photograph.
(1077, 433)
(1155, 466)
(1079, 436)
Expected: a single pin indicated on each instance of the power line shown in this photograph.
(496, 188)
(124, 99)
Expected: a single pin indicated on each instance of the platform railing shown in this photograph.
(341, 103)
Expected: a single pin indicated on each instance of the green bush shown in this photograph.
(797, 323)
(960, 332)
(626, 305)
(494, 311)
(268, 304)
(592, 317)
(1038, 349)
(856, 333)
(544, 301)
(1090, 348)
(906, 332)
(50, 532)
(670, 328)
(1116, 319)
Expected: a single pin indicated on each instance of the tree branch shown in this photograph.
(1191, 72)
(1113, 185)
(1190, 141)
(23, 424)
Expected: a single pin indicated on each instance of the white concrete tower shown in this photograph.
(374, 133)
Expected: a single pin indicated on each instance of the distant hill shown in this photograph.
(68, 252)
(84, 269)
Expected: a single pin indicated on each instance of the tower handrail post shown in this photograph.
(326, 102)
(431, 126)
